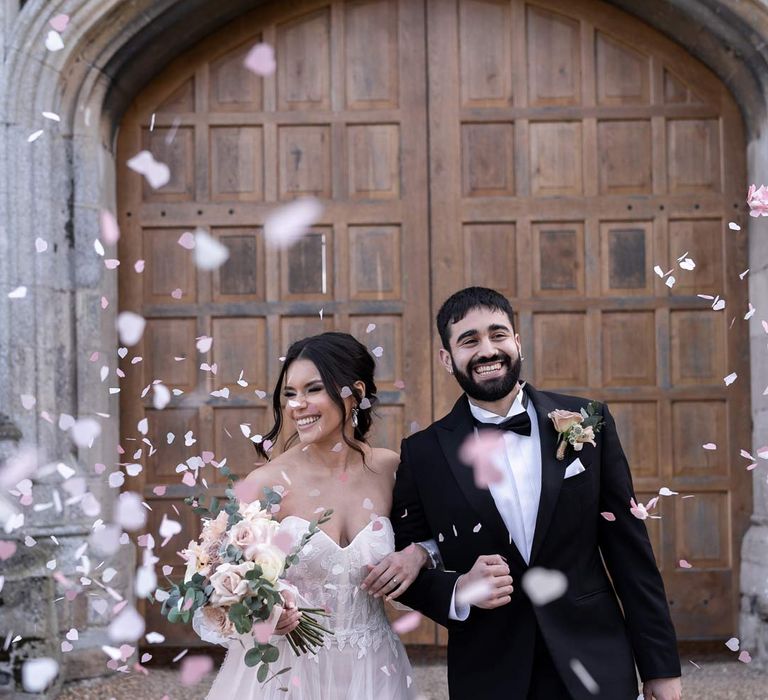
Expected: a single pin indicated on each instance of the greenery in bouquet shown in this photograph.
(233, 576)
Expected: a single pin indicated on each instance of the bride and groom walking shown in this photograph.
(416, 528)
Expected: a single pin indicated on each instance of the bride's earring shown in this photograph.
(355, 420)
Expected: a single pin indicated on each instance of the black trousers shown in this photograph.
(546, 683)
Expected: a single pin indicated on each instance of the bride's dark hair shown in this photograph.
(341, 360)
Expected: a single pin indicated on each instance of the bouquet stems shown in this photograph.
(309, 635)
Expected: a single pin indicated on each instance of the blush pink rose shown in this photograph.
(218, 621)
(563, 420)
(229, 583)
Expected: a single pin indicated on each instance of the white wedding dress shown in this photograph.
(363, 660)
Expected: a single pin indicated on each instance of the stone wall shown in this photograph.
(55, 187)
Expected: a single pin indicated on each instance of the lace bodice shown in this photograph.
(328, 575)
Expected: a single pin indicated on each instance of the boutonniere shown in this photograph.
(575, 429)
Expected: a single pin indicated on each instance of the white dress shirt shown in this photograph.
(518, 492)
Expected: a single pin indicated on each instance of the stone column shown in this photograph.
(754, 551)
(27, 607)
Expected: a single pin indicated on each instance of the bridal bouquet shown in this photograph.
(233, 577)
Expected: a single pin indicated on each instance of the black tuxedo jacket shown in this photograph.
(614, 613)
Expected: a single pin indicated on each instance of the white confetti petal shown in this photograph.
(130, 327)
(18, 293)
(40, 245)
(161, 396)
(52, 116)
(734, 226)
(54, 42)
(157, 174)
(128, 626)
(286, 225)
(34, 136)
(730, 379)
(38, 674)
(85, 431)
(129, 512)
(543, 586)
(210, 253)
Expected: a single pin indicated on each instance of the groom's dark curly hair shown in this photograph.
(459, 304)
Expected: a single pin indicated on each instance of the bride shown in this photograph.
(326, 389)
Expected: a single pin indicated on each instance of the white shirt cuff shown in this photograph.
(458, 613)
(433, 554)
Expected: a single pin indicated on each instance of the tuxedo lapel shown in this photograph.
(552, 469)
(452, 431)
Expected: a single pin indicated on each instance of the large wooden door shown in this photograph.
(343, 119)
(572, 149)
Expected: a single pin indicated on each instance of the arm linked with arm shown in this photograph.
(431, 593)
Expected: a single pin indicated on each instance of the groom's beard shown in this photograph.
(490, 390)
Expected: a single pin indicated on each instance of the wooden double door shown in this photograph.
(556, 151)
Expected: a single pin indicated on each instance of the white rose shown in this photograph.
(229, 584)
(253, 511)
(271, 559)
(197, 560)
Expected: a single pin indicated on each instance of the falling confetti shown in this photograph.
(18, 293)
(210, 254)
(757, 199)
(261, 60)
(730, 379)
(543, 586)
(53, 41)
(286, 225)
(130, 327)
(157, 174)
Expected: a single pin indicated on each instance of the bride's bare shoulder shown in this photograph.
(385, 460)
(272, 472)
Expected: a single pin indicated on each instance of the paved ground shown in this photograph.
(720, 678)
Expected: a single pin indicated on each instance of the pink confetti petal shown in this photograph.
(479, 452)
(176, 293)
(261, 60)
(7, 549)
(104, 302)
(685, 565)
(194, 669)
(59, 22)
(66, 646)
(407, 623)
(111, 264)
(377, 525)
(745, 657)
(610, 517)
(187, 240)
(139, 266)
(110, 232)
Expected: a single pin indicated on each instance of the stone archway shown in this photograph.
(58, 184)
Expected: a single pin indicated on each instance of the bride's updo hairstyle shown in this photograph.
(341, 361)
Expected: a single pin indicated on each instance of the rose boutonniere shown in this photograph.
(576, 428)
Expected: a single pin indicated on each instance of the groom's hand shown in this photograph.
(662, 689)
(489, 579)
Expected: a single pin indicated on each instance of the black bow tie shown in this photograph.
(520, 423)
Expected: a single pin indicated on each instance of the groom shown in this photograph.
(541, 512)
